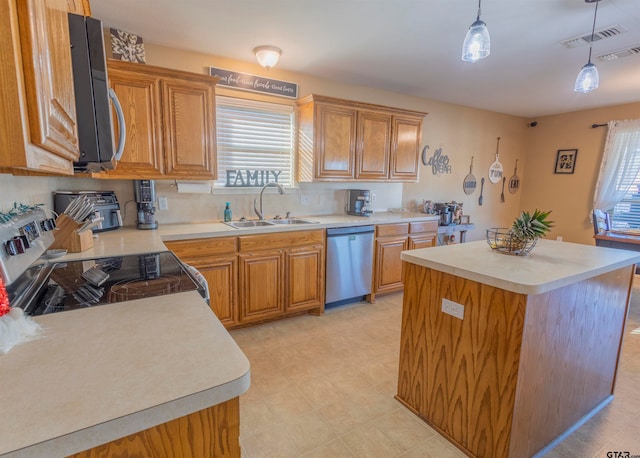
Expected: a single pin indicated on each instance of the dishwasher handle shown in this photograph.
(334, 232)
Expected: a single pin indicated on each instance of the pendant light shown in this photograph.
(477, 44)
(588, 79)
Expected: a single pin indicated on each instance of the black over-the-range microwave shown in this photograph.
(95, 124)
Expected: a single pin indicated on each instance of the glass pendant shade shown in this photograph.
(477, 44)
(588, 79)
(267, 55)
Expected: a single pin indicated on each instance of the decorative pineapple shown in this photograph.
(522, 236)
(529, 227)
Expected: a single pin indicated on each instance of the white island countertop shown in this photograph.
(548, 266)
(99, 374)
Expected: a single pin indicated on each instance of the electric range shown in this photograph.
(50, 286)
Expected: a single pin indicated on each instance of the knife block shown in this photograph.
(66, 237)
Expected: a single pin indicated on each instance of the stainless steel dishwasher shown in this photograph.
(349, 264)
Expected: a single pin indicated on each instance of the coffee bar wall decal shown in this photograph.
(251, 178)
(254, 83)
(439, 162)
(495, 169)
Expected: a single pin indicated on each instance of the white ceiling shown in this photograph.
(410, 46)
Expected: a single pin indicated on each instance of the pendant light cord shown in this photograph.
(593, 29)
(480, 1)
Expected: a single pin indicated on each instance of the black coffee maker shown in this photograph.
(145, 195)
(445, 213)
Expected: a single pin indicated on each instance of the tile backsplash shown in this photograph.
(305, 200)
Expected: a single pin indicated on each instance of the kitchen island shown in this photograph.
(124, 377)
(506, 355)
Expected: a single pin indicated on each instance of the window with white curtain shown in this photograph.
(618, 187)
(255, 142)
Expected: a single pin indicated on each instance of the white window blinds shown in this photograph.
(255, 142)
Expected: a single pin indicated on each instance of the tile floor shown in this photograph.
(324, 387)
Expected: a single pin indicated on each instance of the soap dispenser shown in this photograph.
(227, 212)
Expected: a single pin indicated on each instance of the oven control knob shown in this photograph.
(14, 246)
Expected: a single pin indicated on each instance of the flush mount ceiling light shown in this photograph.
(267, 55)
(477, 44)
(588, 79)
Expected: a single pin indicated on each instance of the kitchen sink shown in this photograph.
(292, 221)
(269, 222)
(245, 224)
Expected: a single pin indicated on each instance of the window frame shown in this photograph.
(275, 109)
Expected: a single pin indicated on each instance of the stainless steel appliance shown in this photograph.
(92, 94)
(349, 264)
(446, 211)
(359, 202)
(57, 286)
(145, 195)
(105, 203)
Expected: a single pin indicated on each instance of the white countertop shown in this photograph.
(548, 266)
(102, 373)
(128, 240)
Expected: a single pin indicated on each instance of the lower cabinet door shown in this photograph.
(221, 274)
(388, 265)
(261, 285)
(422, 241)
(305, 278)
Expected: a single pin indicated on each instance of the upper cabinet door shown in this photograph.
(374, 145)
(405, 148)
(48, 76)
(139, 95)
(336, 141)
(189, 128)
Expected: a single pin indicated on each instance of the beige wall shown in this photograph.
(461, 132)
(569, 196)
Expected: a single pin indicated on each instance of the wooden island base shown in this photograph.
(519, 370)
(212, 432)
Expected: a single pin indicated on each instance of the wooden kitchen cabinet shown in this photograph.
(261, 285)
(305, 277)
(170, 121)
(280, 273)
(38, 130)
(81, 7)
(373, 150)
(423, 234)
(217, 261)
(253, 278)
(341, 140)
(391, 240)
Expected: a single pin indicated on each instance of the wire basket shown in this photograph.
(502, 240)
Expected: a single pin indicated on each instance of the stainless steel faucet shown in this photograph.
(260, 212)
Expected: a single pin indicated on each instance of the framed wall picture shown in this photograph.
(566, 161)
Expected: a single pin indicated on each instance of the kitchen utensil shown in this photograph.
(504, 180)
(514, 181)
(481, 189)
(495, 169)
(95, 275)
(469, 183)
(72, 206)
(90, 224)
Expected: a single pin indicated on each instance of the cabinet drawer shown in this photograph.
(384, 230)
(280, 240)
(198, 248)
(423, 226)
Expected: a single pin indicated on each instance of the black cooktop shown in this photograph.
(61, 286)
